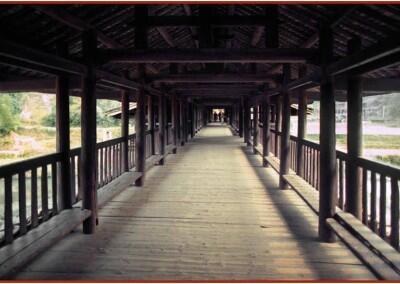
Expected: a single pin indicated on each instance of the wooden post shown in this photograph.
(141, 12)
(62, 135)
(255, 131)
(266, 128)
(182, 122)
(125, 130)
(175, 122)
(278, 116)
(140, 128)
(88, 133)
(162, 120)
(150, 120)
(354, 137)
(301, 125)
(285, 138)
(328, 180)
(192, 119)
(246, 124)
(241, 118)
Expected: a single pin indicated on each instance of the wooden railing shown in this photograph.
(40, 175)
(379, 185)
(28, 189)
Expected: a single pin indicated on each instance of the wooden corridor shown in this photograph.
(212, 212)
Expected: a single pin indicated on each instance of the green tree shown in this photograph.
(9, 119)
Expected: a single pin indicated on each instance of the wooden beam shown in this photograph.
(208, 55)
(327, 140)
(388, 48)
(74, 22)
(213, 78)
(88, 134)
(165, 35)
(214, 20)
(53, 63)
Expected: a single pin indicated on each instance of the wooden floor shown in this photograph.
(212, 212)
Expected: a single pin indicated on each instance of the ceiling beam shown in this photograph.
(76, 23)
(212, 78)
(176, 21)
(208, 55)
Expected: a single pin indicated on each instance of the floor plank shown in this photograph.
(211, 212)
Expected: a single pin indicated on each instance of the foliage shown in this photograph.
(370, 141)
(391, 159)
(9, 110)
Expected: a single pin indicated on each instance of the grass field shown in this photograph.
(370, 141)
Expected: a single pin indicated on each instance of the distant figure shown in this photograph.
(215, 116)
(220, 116)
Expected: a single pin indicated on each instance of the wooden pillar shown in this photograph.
(255, 132)
(285, 138)
(328, 180)
(241, 119)
(88, 133)
(141, 12)
(266, 128)
(246, 123)
(162, 120)
(301, 125)
(125, 130)
(354, 137)
(192, 119)
(140, 128)
(278, 116)
(182, 121)
(150, 120)
(63, 136)
(175, 122)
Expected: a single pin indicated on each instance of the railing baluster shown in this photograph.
(373, 202)
(34, 200)
(45, 205)
(394, 213)
(382, 207)
(54, 194)
(364, 196)
(22, 202)
(341, 185)
(73, 178)
(8, 211)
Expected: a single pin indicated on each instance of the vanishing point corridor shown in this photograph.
(212, 212)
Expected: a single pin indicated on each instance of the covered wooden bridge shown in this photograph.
(237, 200)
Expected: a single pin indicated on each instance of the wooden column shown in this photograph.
(141, 13)
(278, 116)
(285, 138)
(150, 120)
(175, 122)
(162, 120)
(192, 119)
(302, 124)
(140, 128)
(182, 121)
(328, 180)
(354, 137)
(125, 130)
(246, 123)
(241, 119)
(63, 136)
(266, 128)
(88, 133)
(255, 132)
